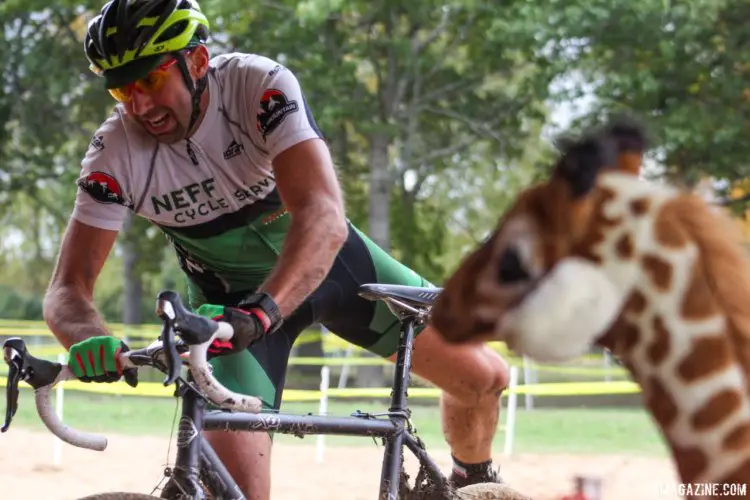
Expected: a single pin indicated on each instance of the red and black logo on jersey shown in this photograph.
(103, 188)
(274, 108)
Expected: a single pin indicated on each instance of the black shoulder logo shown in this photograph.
(97, 142)
(103, 188)
(274, 108)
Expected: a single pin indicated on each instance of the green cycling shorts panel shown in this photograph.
(336, 304)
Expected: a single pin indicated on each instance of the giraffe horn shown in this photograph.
(631, 141)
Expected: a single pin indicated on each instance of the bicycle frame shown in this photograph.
(195, 453)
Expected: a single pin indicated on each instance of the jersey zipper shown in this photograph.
(191, 152)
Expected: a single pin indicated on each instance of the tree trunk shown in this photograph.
(38, 279)
(380, 192)
(133, 284)
(379, 218)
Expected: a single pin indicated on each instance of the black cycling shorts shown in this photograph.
(261, 369)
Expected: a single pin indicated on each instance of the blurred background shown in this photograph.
(436, 113)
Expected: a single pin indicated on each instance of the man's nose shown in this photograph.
(140, 103)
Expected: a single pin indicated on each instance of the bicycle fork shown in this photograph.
(194, 454)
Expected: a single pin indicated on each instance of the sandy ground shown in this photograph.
(135, 464)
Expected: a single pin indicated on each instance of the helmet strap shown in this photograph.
(196, 90)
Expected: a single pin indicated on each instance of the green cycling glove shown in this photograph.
(95, 360)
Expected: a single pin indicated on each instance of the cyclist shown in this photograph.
(224, 156)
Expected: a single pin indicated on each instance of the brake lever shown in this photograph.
(15, 365)
(23, 366)
(171, 356)
(192, 328)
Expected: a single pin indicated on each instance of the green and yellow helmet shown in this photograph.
(128, 38)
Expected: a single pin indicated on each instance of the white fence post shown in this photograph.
(510, 419)
(344, 376)
(607, 366)
(528, 378)
(325, 373)
(57, 450)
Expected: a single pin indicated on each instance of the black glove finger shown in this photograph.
(105, 378)
(131, 376)
(124, 347)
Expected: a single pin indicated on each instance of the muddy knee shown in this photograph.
(488, 384)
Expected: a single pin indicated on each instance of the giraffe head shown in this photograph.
(536, 282)
(595, 255)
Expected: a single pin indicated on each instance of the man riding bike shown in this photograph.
(224, 156)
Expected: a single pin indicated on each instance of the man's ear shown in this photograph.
(200, 61)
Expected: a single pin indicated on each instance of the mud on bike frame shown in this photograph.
(184, 339)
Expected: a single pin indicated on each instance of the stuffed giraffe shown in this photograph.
(597, 256)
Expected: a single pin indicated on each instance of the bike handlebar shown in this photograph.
(196, 335)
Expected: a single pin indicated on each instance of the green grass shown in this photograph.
(582, 430)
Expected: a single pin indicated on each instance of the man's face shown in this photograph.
(165, 112)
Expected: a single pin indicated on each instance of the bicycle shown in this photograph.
(198, 472)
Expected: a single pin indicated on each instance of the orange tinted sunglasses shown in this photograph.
(152, 83)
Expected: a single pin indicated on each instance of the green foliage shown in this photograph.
(681, 66)
(14, 305)
(421, 232)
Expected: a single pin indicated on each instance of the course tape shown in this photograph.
(331, 343)
(143, 335)
(155, 389)
(51, 351)
(151, 331)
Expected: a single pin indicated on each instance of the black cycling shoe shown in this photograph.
(460, 478)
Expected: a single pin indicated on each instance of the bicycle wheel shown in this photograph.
(119, 496)
(489, 491)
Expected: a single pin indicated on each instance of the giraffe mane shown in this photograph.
(724, 264)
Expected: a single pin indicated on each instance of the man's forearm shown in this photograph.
(312, 242)
(71, 316)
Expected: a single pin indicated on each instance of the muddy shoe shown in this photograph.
(474, 474)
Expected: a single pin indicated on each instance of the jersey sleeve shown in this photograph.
(282, 116)
(102, 199)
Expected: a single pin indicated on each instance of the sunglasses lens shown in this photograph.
(121, 94)
(153, 82)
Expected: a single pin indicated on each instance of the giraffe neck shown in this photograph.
(695, 390)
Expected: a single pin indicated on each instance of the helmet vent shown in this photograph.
(172, 31)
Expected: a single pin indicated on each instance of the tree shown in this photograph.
(51, 106)
(681, 66)
(398, 87)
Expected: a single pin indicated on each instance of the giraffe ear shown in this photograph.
(632, 142)
(582, 161)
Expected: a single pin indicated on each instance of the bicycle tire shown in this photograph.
(119, 495)
(489, 491)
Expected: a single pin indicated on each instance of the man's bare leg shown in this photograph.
(247, 457)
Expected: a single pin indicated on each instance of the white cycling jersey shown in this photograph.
(214, 194)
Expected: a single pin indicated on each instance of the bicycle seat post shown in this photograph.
(403, 367)
(391, 472)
